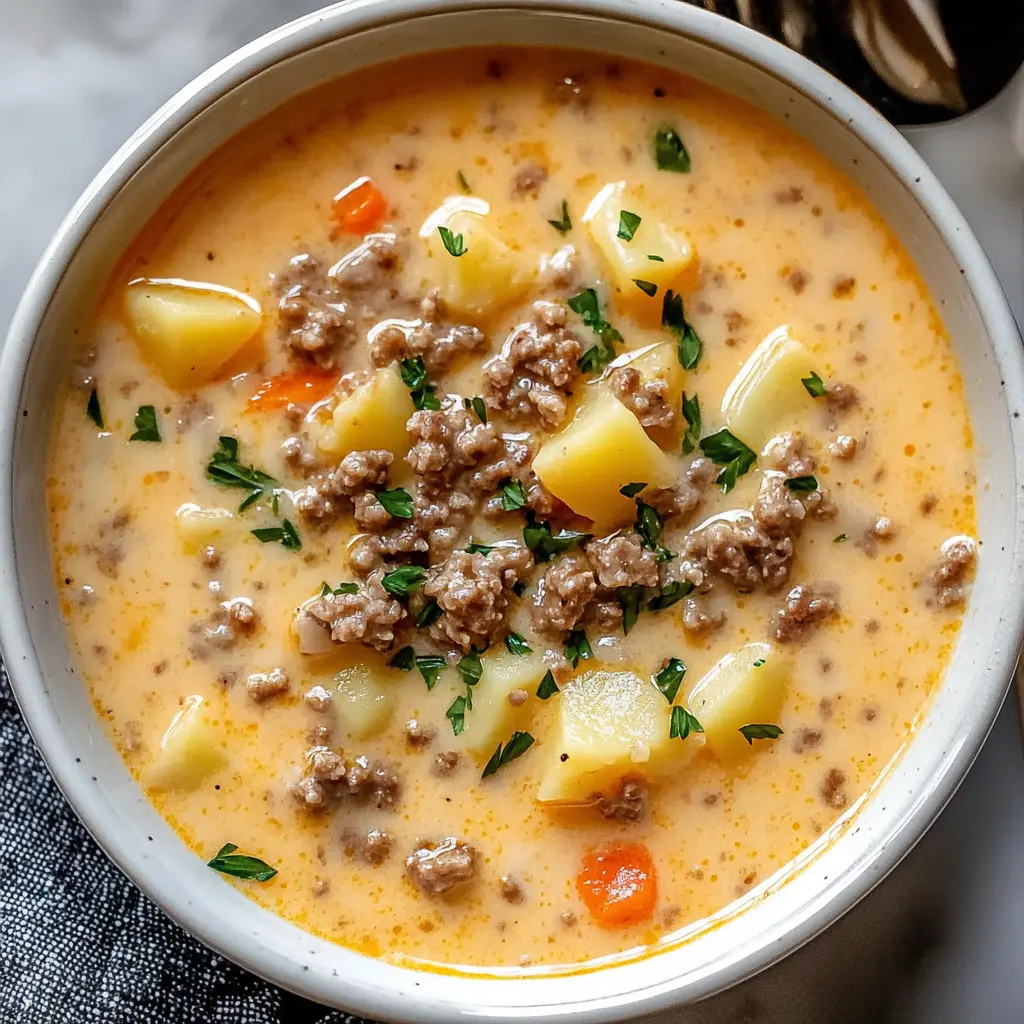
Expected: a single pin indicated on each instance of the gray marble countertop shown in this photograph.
(939, 942)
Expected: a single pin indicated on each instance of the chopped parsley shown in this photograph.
(453, 243)
(802, 484)
(631, 598)
(759, 663)
(688, 343)
(456, 714)
(564, 224)
(401, 582)
(342, 588)
(430, 667)
(577, 646)
(478, 406)
(727, 450)
(649, 525)
(655, 259)
(397, 502)
(421, 389)
(548, 687)
(227, 862)
(544, 544)
(404, 660)
(670, 594)
(479, 549)
(814, 384)
(470, 668)
(760, 732)
(225, 469)
(839, 539)
(515, 644)
(670, 152)
(92, 408)
(628, 223)
(631, 490)
(463, 183)
(428, 614)
(669, 679)
(587, 306)
(518, 745)
(647, 287)
(691, 413)
(146, 427)
(286, 535)
(513, 495)
(682, 723)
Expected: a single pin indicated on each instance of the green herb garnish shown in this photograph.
(227, 862)
(564, 224)
(428, 614)
(430, 666)
(456, 714)
(518, 744)
(647, 287)
(670, 594)
(470, 668)
(759, 663)
(670, 151)
(401, 582)
(631, 490)
(649, 525)
(802, 484)
(342, 588)
(839, 539)
(691, 413)
(814, 384)
(463, 183)
(421, 389)
(548, 687)
(539, 539)
(225, 469)
(92, 408)
(396, 502)
(479, 549)
(682, 723)
(515, 644)
(513, 495)
(577, 646)
(656, 259)
(628, 223)
(760, 732)
(404, 659)
(688, 343)
(453, 243)
(146, 428)
(478, 406)
(630, 598)
(727, 450)
(669, 678)
(586, 305)
(285, 534)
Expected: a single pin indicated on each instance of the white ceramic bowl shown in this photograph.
(859, 851)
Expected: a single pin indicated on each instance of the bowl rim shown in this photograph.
(345, 18)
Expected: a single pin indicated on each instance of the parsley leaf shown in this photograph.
(628, 223)
(478, 406)
(802, 484)
(727, 450)
(428, 614)
(564, 224)
(92, 408)
(240, 866)
(577, 646)
(225, 469)
(760, 732)
(839, 539)
(669, 678)
(404, 659)
(545, 545)
(396, 502)
(814, 384)
(285, 534)
(513, 495)
(656, 259)
(401, 582)
(341, 588)
(456, 714)
(670, 152)
(759, 663)
(682, 723)
(471, 669)
(518, 745)
(631, 598)
(479, 549)
(515, 644)
(631, 490)
(688, 343)
(647, 287)
(649, 525)
(146, 428)
(548, 687)
(463, 183)
(691, 413)
(421, 389)
(430, 666)
(587, 306)
(670, 593)
(453, 243)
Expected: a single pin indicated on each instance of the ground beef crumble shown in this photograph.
(684, 497)
(650, 401)
(438, 868)
(563, 593)
(372, 847)
(805, 607)
(621, 560)
(950, 580)
(329, 779)
(628, 803)
(369, 615)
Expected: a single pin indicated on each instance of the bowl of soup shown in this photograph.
(511, 492)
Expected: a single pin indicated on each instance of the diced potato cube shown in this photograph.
(363, 705)
(627, 259)
(610, 724)
(189, 330)
(493, 719)
(767, 390)
(191, 750)
(373, 416)
(603, 448)
(197, 527)
(489, 274)
(742, 688)
(657, 362)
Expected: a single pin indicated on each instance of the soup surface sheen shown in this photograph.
(843, 549)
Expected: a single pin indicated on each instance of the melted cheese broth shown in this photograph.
(715, 832)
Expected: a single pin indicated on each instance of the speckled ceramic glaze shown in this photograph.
(785, 911)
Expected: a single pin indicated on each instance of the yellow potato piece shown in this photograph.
(373, 416)
(736, 691)
(602, 449)
(187, 329)
(492, 719)
(627, 260)
(361, 702)
(610, 724)
(489, 274)
(767, 391)
(191, 750)
(197, 526)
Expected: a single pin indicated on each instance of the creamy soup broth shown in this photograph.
(777, 237)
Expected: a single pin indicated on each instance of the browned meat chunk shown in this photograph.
(879, 532)
(700, 618)
(318, 698)
(841, 397)
(649, 401)
(446, 762)
(431, 336)
(805, 607)
(621, 560)
(417, 734)
(630, 801)
(315, 319)
(437, 869)
(777, 510)
(685, 496)
(951, 579)
(360, 470)
(369, 615)
(603, 615)
(262, 686)
(563, 594)
(844, 447)
(739, 549)
(511, 889)
(560, 272)
(572, 91)
(527, 181)
(538, 363)
(372, 847)
(791, 454)
(222, 628)
(330, 779)
(833, 789)
(472, 591)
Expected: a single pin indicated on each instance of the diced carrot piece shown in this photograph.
(619, 885)
(359, 207)
(301, 387)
